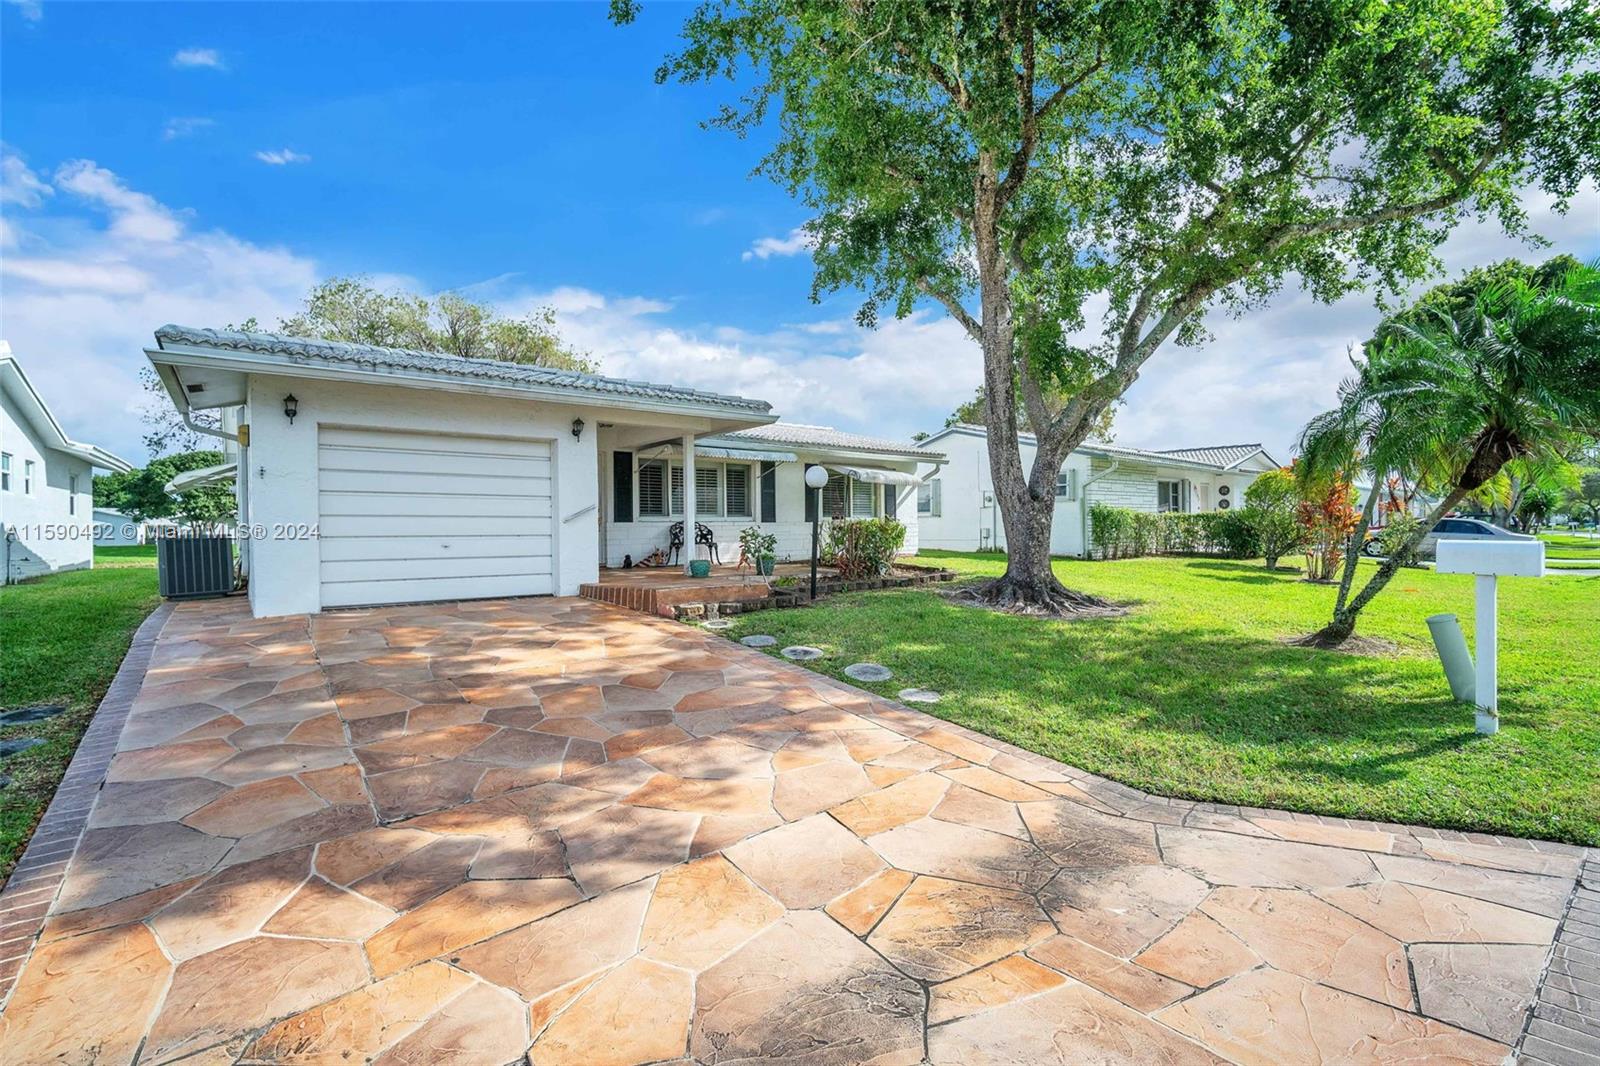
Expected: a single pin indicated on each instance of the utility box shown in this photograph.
(191, 568)
(1499, 557)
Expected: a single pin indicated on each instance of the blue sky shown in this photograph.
(202, 163)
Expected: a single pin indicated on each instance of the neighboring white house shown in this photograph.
(113, 529)
(380, 475)
(956, 505)
(46, 483)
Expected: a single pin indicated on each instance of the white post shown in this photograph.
(1488, 690)
(688, 501)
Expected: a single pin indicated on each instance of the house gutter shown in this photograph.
(1083, 503)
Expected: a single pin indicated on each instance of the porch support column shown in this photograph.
(688, 501)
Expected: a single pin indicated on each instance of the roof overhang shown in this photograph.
(875, 475)
(199, 377)
(51, 435)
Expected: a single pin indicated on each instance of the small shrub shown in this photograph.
(1272, 501)
(1392, 538)
(1239, 534)
(755, 545)
(863, 548)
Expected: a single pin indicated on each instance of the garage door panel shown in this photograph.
(405, 570)
(440, 503)
(422, 590)
(349, 438)
(342, 549)
(376, 463)
(408, 517)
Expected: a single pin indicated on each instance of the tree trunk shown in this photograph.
(1358, 539)
(1343, 625)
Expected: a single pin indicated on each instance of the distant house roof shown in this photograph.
(51, 435)
(307, 351)
(798, 435)
(1226, 456)
(1214, 457)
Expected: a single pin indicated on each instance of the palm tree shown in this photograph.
(1452, 395)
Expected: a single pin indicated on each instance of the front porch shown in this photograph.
(661, 590)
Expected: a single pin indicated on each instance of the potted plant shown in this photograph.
(758, 548)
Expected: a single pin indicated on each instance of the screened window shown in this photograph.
(863, 499)
(5, 471)
(1169, 495)
(707, 490)
(737, 491)
(653, 488)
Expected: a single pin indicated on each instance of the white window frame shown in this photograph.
(5, 471)
(27, 477)
(870, 493)
(673, 490)
(1176, 495)
(1067, 484)
(72, 493)
(714, 471)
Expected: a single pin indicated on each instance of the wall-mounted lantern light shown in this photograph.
(291, 407)
(577, 428)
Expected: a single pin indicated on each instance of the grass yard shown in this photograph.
(1193, 694)
(64, 637)
(1563, 551)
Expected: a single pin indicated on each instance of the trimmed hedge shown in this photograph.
(1122, 533)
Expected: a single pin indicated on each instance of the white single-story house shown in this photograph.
(46, 483)
(113, 529)
(956, 504)
(379, 475)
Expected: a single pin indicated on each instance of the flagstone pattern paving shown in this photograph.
(557, 831)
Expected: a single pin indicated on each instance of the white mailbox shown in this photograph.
(1489, 559)
(1500, 557)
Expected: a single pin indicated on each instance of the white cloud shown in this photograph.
(796, 242)
(209, 58)
(99, 270)
(18, 183)
(280, 157)
(175, 128)
(30, 10)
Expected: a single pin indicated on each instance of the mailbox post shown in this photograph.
(1489, 560)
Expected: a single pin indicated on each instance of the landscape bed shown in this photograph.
(1194, 693)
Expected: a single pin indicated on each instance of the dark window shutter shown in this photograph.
(889, 494)
(769, 492)
(811, 500)
(622, 486)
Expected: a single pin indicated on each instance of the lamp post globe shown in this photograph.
(816, 477)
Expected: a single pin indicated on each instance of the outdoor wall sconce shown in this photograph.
(291, 407)
(577, 429)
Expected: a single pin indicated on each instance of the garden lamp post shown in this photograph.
(816, 477)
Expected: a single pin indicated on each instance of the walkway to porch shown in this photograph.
(657, 590)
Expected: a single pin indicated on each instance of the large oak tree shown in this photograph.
(1079, 183)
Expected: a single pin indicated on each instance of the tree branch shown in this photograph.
(953, 305)
(1032, 116)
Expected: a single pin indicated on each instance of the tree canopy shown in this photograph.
(141, 494)
(1076, 184)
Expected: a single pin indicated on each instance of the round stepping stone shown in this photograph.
(37, 713)
(867, 672)
(919, 695)
(801, 652)
(716, 623)
(760, 640)
(18, 744)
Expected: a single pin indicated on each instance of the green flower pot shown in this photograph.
(699, 567)
(766, 565)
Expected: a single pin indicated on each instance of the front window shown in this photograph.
(863, 499)
(27, 477)
(736, 485)
(707, 490)
(5, 471)
(653, 488)
(1169, 495)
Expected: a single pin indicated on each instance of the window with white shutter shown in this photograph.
(736, 485)
(863, 499)
(707, 490)
(653, 488)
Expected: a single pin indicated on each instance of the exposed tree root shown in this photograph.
(1052, 600)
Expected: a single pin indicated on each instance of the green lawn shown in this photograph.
(63, 638)
(1567, 544)
(1194, 694)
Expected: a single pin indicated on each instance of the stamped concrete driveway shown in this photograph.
(475, 832)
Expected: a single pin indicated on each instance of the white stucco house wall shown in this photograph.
(373, 475)
(113, 529)
(956, 504)
(46, 483)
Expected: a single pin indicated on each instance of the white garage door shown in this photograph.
(409, 517)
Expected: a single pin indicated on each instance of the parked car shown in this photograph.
(1453, 528)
